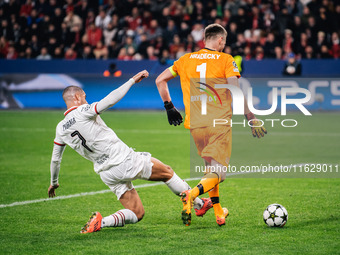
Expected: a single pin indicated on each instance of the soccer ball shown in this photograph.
(275, 215)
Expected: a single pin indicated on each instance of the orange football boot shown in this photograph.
(187, 205)
(220, 220)
(94, 224)
(206, 206)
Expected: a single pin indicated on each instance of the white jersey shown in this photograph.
(85, 132)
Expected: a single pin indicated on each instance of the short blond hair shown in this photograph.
(70, 91)
(214, 30)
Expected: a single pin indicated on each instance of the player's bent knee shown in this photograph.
(222, 177)
(140, 217)
(140, 214)
(169, 172)
(166, 173)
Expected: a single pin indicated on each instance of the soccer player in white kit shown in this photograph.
(117, 164)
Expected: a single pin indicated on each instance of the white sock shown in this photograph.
(198, 203)
(119, 219)
(177, 185)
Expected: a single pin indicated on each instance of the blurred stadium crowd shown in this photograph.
(161, 30)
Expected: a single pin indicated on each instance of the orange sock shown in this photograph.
(214, 195)
(208, 182)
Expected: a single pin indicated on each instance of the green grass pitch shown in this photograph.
(52, 227)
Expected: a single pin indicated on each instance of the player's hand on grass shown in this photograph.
(174, 116)
(257, 128)
(51, 190)
(140, 76)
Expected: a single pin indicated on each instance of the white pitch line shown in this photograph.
(82, 194)
(107, 190)
(93, 193)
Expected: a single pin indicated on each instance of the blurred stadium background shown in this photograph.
(156, 29)
(46, 45)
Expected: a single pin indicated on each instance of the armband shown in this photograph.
(171, 69)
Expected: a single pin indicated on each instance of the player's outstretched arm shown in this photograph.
(55, 168)
(174, 116)
(140, 76)
(116, 95)
(162, 84)
(257, 129)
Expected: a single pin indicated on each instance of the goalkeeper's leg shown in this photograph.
(220, 213)
(214, 193)
(209, 182)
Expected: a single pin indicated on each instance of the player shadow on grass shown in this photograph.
(141, 231)
(306, 223)
(319, 221)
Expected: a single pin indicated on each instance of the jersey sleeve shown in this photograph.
(231, 68)
(57, 155)
(58, 140)
(114, 97)
(88, 110)
(171, 69)
(176, 68)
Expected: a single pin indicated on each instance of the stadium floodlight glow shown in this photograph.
(238, 100)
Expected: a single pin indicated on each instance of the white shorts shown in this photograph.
(119, 178)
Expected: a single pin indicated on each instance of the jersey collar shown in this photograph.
(70, 110)
(208, 49)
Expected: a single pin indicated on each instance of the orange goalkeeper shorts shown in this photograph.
(213, 143)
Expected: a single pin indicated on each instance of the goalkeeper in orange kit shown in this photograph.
(199, 72)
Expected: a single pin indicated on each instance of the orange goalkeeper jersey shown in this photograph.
(199, 72)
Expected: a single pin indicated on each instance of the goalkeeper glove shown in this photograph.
(174, 117)
(257, 128)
